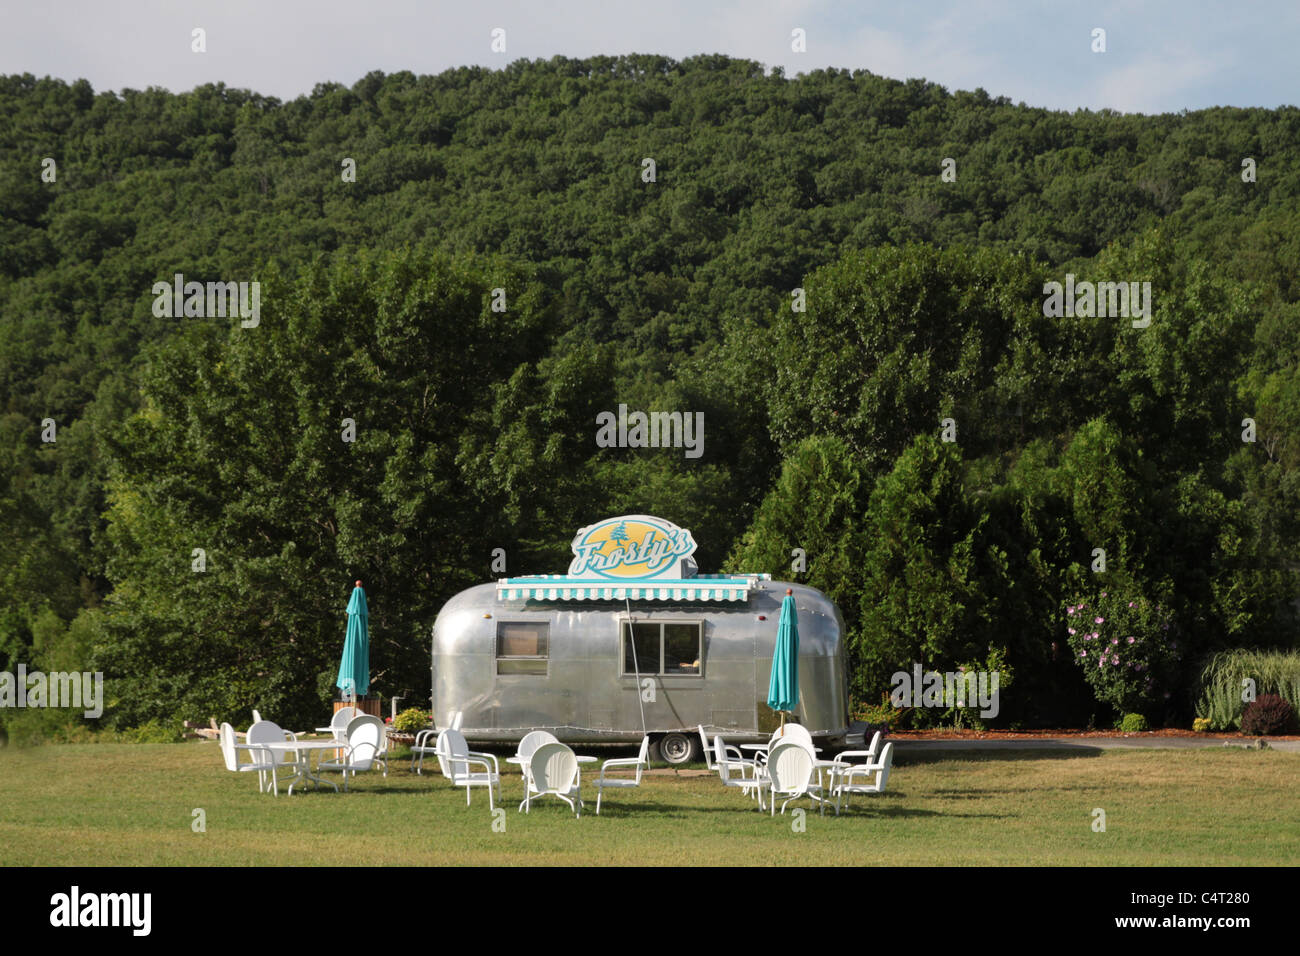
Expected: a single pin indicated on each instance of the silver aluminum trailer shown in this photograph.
(590, 671)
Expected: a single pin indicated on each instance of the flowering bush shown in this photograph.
(1127, 647)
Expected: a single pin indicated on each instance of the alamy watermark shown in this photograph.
(651, 430)
(214, 300)
(84, 690)
(78, 909)
(946, 689)
(1100, 300)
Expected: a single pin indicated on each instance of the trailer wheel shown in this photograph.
(678, 748)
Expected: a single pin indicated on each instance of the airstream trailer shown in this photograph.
(604, 654)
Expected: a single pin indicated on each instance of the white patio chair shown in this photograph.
(381, 758)
(790, 768)
(799, 734)
(528, 746)
(421, 747)
(792, 732)
(751, 783)
(362, 749)
(457, 763)
(339, 722)
(260, 764)
(269, 732)
(870, 753)
(733, 753)
(870, 777)
(623, 764)
(711, 761)
(553, 770)
(257, 718)
(788, 732)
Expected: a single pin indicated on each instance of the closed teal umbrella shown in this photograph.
(783, 685)
(354, 671)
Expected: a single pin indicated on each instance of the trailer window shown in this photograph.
(681, 648)
(643, 638)
(661, 647)
(523, 647)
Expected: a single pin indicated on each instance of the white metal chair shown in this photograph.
(257, 717)
(711, 761)
(791, 732)
(870, 753)
(790, 768)
(339, 723)
(553, 770)
(456, 761)
(751, 782)
(362, 748)
(870, 777)
(421, 745)
(623, 764)
(269, 732)
(528, 746)
(260, 764)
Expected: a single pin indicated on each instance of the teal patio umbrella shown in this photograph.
(354, 671)
(783, 685)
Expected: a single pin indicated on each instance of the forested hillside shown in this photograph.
(665, 285)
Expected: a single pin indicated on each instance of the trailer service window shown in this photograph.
(522, 647)
(662, 647)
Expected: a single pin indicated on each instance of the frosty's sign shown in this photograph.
(631, 547)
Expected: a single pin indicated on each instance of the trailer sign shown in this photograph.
(631, 547)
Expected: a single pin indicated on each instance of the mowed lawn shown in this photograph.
(131, 805)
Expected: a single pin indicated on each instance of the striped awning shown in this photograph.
(561, 587)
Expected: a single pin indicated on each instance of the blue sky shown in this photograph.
(1162, 55)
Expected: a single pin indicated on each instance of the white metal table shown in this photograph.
(304, 771)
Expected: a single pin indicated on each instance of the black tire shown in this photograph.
(678, 748)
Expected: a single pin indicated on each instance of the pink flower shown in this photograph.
(1114, 660)
(1095, 635)
(1132, 639)
(1114, 640)
(1130, 603)
(1103, 593)
(1087, 637)
(1099, 620)
(1069, 610)
(1083, 653)
(1102, 662)
(1071, 630)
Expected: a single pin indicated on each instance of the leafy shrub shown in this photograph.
(1134, 724)
(1223, 682)
(1201, 724)
(882, 716)
(154, 731)
(411, 720)
(1268, 715)
(1126, 646)
(969, 715)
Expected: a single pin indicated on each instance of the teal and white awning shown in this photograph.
(561, 587)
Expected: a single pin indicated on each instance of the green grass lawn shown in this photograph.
(122, 804)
